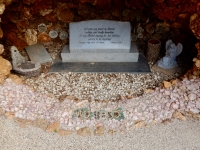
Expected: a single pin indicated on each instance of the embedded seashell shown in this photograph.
(53, 34)
(63, 35)
(134, 38)
(140, 35)
(58, 30)
(149, 28)
(140, 30)
(42, 27)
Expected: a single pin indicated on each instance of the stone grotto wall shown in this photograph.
(161, 19)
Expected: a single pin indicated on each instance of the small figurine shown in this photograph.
(169, 60)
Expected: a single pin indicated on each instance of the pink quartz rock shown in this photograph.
(192, 96)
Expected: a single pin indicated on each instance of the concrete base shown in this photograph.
(140, 67)
(165, 71)
(100, 57)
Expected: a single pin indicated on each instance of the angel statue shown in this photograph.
(169, 60)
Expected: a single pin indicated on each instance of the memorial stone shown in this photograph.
(100, 41)
(100, 36)
(101, 46)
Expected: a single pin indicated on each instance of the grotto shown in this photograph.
(86, 102)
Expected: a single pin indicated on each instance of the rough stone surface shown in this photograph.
(65, 14)
(84, 131)
(99, 130)
(2, 8)
(44, 38)
(5, 66)
(16, 79)
(1, 49)
(65, 132)
(53, 127)
(31, 36)
(1, 33)
(167, 84)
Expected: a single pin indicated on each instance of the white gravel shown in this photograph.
(96, 86)
(176, 135)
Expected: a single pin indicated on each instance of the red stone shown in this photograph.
(198, 8)
(118, 4)
(175, 2)
(51, 17)
(93, 2)
(189, 7)
(159, 7)
(41, 5)
(44, 38)
(14, 40)
(27, 13)
(66, 1)
(168, 13)
(1, 33)
(23, 23)
(135, 4)
(104, 4)
(28, 2)
(65, 14)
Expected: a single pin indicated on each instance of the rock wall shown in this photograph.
(20, 15)
(170, 19)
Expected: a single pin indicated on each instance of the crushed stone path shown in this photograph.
(175, 135)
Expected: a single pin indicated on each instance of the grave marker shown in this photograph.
(100, 41)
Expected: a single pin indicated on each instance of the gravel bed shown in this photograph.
(96, 86)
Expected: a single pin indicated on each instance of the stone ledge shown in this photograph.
(68, 56)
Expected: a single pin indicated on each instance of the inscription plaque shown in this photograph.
(100, 36)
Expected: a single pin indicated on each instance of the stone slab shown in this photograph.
(100, 36)
(140, 67)
(100, 57)
(165, 71)
(38, 54)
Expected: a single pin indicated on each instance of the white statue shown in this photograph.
(169, 60)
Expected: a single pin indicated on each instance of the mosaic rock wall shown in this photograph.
(20, 15)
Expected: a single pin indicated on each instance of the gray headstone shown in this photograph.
(38, 54)
(100, 57)
(100, 36)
